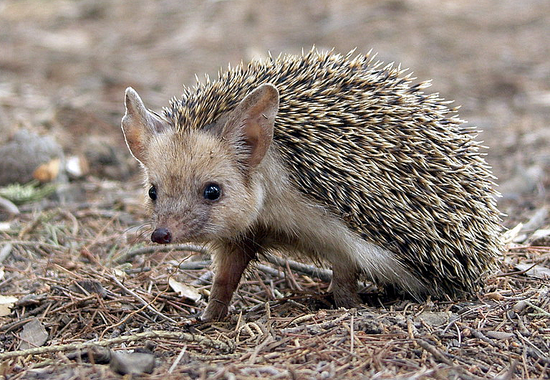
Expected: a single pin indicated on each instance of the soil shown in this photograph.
(78, 262)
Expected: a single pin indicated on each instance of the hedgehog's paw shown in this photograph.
(215, 311)
(346, 299)
(345, 289)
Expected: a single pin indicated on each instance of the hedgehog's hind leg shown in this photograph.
(344, 286)
(386, 268)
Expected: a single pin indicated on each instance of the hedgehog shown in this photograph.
(339, 159)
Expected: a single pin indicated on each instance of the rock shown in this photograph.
(24, 154)
(541, 238)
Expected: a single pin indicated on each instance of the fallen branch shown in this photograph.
(160, 248)
(226, 347)
(309, 270)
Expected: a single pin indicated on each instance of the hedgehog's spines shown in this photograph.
(363, 138)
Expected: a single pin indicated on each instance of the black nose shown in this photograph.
(161, 236)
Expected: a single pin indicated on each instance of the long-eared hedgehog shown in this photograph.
(334, 158)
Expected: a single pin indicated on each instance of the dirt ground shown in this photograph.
(78, 262)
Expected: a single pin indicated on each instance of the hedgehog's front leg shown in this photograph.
(231, 261)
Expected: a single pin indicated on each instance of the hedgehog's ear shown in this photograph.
(139, 125)
(250, 125)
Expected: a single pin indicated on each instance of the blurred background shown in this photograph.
(64, 66)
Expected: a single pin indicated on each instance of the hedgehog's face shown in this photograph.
(196, 190)
(201, 183)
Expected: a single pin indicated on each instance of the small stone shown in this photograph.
(97, 355)
(434, 319)
(33, 335)
(518, 307)
(499, 335)
(132, 363)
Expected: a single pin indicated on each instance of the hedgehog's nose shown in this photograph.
(161, 236)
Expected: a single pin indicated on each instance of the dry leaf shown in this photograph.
(510, 235)
(119, 273)
(47, 172)
(77, 166)
(183, 290)
(6, 304)
(5, 226)
(495, 296)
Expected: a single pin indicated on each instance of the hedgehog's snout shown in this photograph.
(161, 236)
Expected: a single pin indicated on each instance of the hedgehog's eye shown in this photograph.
(212, 192)
(153, 192)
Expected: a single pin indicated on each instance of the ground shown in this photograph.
(80, 268)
